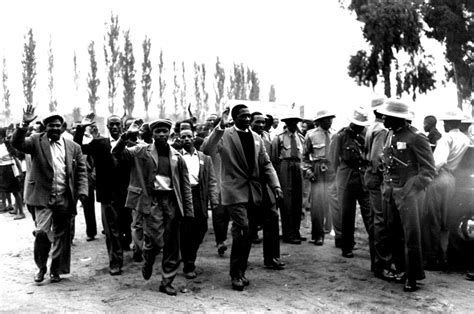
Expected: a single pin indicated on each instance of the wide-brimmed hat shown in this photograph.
(377, 101)
(359, 117)
(453, 114)
(324, 114)
(292, 118)
(164, 122)
(53, 116)
(396, 108)
(467, 119)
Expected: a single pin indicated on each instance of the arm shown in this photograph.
(79, 136)
(19, 142)
(275, 151)
(211, 143)
(424, 157)
(441, 153)
(81, 179)
(306, 164)
(122, 152)
(213, 192)
(186, 193)
(335, 151)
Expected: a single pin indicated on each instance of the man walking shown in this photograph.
(57, 178)
(241, 189)
(409, 168)
(160, 190)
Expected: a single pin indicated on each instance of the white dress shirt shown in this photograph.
(450, 149)
(58, 152)
(192, 162)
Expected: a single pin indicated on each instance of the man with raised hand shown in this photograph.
(58, 176)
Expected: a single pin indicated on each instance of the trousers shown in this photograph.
(291, 180)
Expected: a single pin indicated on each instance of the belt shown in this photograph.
(291, 159)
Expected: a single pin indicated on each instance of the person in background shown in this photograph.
(429, 125)
(58, 175)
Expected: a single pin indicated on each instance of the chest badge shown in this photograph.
(401, 145)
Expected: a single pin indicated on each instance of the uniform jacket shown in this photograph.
(413, 149)
(143, 172)
(281, 146)
(346, 154)
(207, 182)
(112, 175)
(235, 178)
(39, 184)
(316, 154)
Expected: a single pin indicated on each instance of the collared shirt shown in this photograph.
(285, 144)
(192, 162)
(374, 141)
(58, 153)
(450, 149)
(316, 146)
(240, 130)
(113, 141)
(5, 157)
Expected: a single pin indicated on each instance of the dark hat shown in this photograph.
(235, 111)
(290, 119)
(161, 122)
(52, 117)
(3, 132)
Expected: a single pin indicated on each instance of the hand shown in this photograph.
(225, 117)
(88, 120)
(278, 193)
(29, 114)
(135, 126)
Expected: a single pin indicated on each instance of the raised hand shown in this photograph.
(135, 126)
(88, 120)
(29, 114)
(225, 117)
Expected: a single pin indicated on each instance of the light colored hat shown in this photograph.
(53, 116)
(453, 114)
(166, 122)
(360, 117)
(376, 102)
(467, 119)
(324, 114)
(396, 108)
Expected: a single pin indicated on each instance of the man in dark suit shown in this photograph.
(58, 176)
(203, 185)
(112, 178)
(159, 189)
(241, 189)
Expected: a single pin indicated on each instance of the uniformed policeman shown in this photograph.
(346, 155)
(408, 170)
(316, 168)
(287, 152)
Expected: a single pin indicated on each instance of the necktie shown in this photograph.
(327, 141)
(294, 147)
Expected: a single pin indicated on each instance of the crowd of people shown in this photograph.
(157, 181)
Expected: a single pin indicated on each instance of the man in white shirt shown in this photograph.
(449, 152)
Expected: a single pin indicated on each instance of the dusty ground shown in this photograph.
(316, 279)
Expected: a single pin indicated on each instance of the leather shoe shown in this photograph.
(39, 277)
(303, 238)
(410, 286)
(256, 241)
(347, 254)
(168, 289)
(470, 276)
(245, 281)
(90, 239)
(318, 242)
(54, 277)
(237, 284)
(147, 270)
(115, 271)
(274, 263)
(221, 248)
(190, 275)
(385, 274)
(400, 277)
(292, 241)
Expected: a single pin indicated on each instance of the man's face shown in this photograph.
(161, 135)
(291, 125)
(53, 129)
(427, 125)
(304, 127)
(115, 126)
(210, 121)
(258, 124)
(243, 119)
(187, 139)
(276, 121)
(325, 123)
(392, 122)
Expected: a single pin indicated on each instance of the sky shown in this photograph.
(302, 47)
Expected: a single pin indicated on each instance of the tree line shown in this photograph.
(240, 82)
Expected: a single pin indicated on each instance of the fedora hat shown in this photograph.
(359, 117)
(396, 108)
(453, 114)
(376, 102)
(324, 114)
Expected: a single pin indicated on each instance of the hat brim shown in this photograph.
(292, 119)
(406, 116)
(471, 120)
(332, 115)
(366, 123)
(53, 117)
(455, 118)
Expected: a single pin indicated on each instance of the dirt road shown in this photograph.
(315, 279)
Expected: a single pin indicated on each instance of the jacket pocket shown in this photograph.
(135, 189)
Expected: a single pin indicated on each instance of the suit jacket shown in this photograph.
(207, 182)
(112, 175)
(39, 184)
(236, 179)
(142, 176)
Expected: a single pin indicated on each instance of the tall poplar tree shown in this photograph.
(146, 74)
(162, 86)
(128, 76)
(112, 59)
(6, 90)
(52, 101)
(219, 77)
(29, 67)
(92, 79)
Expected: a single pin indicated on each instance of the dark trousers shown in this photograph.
(271, 239)
(192, 233)
(403, 212)
(137, 232)
(124, 224)
(161, 231)
(291, 180)
(89, 213)
(112, 234)
(321, 203)
(53, 226)
(241, 240)
(435, 229)
(220, 222)
(383, 255)
(348, 196)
